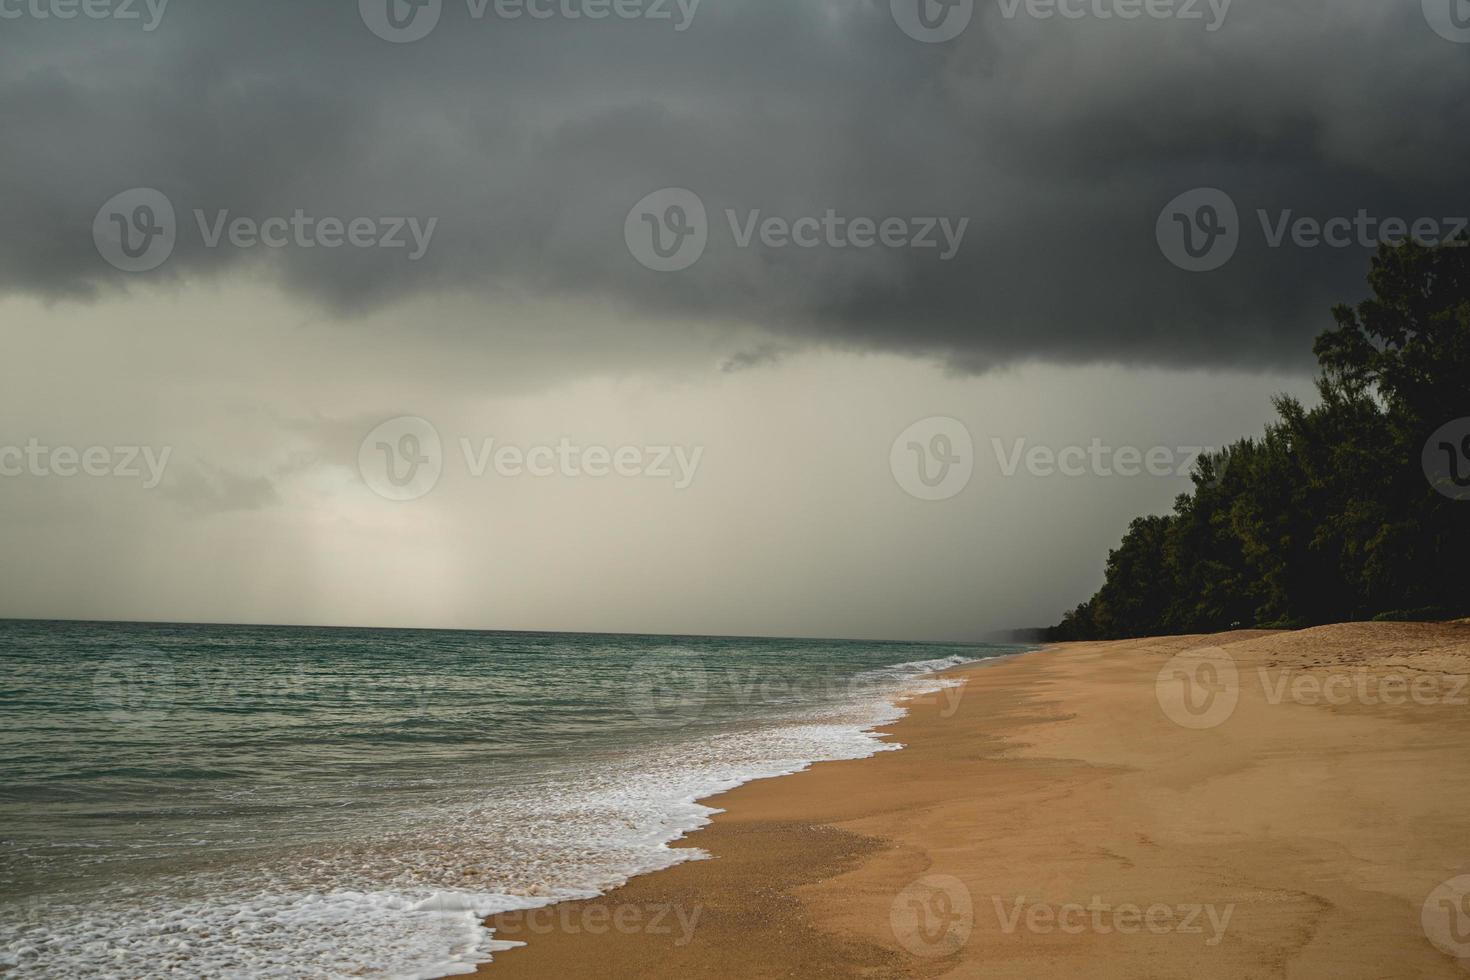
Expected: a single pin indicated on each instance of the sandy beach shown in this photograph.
(1245, 805)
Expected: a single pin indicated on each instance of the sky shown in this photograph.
(820, 318)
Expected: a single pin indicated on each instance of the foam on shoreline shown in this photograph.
(387, 908)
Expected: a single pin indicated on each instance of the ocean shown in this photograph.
(249, 801)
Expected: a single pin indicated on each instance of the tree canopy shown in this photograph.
(1329, 515)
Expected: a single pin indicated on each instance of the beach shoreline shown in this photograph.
(1063, 814)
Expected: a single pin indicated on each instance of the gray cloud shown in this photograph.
(764, 355)
(1059, 140)
(206, 489)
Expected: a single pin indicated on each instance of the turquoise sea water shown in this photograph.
(283, 801)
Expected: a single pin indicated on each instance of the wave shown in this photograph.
(411, 903)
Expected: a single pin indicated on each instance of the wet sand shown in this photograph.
(1246, 805)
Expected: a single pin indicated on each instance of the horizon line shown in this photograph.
(530, 632)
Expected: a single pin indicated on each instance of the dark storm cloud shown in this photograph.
(529, 140)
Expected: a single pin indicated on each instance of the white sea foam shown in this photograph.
(412, 903)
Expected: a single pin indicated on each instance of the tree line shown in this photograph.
(1357, 508)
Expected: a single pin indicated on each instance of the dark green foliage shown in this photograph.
(1329, 516)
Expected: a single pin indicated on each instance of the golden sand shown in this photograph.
(1245, 805)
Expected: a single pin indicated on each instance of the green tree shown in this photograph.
(1328, 516)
